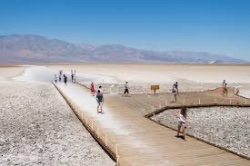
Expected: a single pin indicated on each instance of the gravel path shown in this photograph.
(38, 128)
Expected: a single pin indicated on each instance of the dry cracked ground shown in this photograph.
(38, 128)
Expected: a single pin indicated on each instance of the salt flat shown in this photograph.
(39, 128)
(190, 77)
(49, 135)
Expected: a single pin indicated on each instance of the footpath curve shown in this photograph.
(134, 140)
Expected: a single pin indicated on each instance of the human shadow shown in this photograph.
(181, 137)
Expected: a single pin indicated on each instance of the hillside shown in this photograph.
(34, 48)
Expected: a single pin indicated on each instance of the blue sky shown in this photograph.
(216, 26)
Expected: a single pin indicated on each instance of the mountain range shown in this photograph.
(34, 48)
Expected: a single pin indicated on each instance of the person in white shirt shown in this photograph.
(182, 122)
(174, 94)
(126, 89)
(237, 90)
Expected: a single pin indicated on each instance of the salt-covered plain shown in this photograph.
(190, 77)
(38, 127)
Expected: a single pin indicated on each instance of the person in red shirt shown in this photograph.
(92, 88)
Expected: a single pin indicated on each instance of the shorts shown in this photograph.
(180, 124)
(99, 103)
(126, 91)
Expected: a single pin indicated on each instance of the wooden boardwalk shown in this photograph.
(133, 139)
(146, 104)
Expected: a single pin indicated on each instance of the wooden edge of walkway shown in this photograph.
(112, 152)
(148, 116)
(101, 142)
(158, 111)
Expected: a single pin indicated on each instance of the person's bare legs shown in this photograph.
(183, 131)
(97, 108)
(101, 107)
(178, 131)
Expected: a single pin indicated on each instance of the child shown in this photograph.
(182, 123)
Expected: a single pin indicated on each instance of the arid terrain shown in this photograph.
(190, 77)
(39, 128)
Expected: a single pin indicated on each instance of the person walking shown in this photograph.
(176, 87)
(182, 122)
(237, 90)
(65, 79)
(174, 94)
(72, 75)
(92, 88)
(60, 75)
(60, 72)
(224, 90)
(223, 83)
(126, 89)
(100, 100)
(60, 78)
(223, 87)
(55, 78)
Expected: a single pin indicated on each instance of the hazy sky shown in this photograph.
(217, 26)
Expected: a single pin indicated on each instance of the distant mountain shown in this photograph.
(34, 48)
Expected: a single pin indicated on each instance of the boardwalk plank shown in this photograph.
(139, 141)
